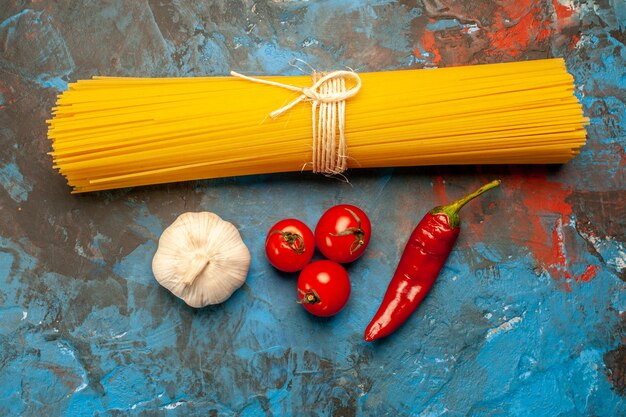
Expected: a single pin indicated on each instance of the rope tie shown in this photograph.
(328, 96)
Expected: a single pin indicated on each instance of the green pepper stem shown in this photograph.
(452, 209)
(456, 206)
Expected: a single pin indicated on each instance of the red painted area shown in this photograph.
(429, 45)
(517, 25)
(548, 200)
(589, 274)
(562, 12)
(548, 215)
(513, 29)
(439, 191)
(566, 16)
(543, 34)
(520, 26)
(6, 94)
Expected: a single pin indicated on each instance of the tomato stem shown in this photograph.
(293, 240)
(309, 297)
(358, 232)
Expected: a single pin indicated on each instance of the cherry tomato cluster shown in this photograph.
(342, 235)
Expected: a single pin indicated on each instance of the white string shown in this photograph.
(294, 63)
(327, 96)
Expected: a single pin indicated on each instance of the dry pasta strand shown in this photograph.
(111, 132)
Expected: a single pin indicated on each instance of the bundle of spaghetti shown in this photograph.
(110, 132)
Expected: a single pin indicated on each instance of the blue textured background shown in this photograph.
(526, 319)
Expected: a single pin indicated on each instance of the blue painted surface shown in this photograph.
(526, 319)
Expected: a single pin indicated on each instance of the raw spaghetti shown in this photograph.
(112, 132)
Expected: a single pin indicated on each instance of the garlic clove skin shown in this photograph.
(201, 259)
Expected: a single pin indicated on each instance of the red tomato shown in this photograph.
(323, 288)
(289, 245)
(343, 233)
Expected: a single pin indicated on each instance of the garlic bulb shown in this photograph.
(201, 259)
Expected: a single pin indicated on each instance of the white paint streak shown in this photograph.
(433, 411)
(139, 404)
(65, 350)
(81, 387)
(558, 228)
(79, 249)
(620, 261)
(472, 28)
(504, 327)
(172, 406)
(611, 250)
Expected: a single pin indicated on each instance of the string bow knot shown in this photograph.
(327, 96)
(312, 93)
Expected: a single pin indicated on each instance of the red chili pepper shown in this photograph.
(426, 251)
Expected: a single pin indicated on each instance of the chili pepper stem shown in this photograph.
(452, 210)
